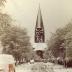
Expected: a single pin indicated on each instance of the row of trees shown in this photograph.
(60, 43)
(14, 40)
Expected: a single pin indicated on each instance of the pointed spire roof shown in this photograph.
(39, 22)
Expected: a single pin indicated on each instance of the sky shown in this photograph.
(55, 14)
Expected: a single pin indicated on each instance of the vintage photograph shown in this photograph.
(35, 35)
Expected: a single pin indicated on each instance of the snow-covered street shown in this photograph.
(41, 67)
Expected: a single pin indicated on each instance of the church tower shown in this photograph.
(39, 28)
(39, 37)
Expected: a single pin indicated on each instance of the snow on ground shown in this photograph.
(42, 67)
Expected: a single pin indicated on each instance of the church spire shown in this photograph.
(39, 22)
(39, 29)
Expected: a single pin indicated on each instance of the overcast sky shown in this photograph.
(55, 13)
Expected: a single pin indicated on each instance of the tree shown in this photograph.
(5, 20)
(2, 2)
(68, 44)
(16, 42)
(57, 42)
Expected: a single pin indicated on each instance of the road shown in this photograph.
(41, 67)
